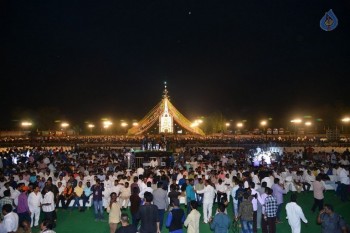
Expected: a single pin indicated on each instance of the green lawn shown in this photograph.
(75, 222)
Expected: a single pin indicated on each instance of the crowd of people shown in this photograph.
(45, 180)
(178, 140)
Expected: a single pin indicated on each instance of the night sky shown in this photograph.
(246, 59)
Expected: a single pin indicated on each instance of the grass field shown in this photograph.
(75, 222)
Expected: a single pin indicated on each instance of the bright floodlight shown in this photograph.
(26, 124)
(106, 124)
(194, 124)
(200, 121)
(64, 125)
(124, 124)
(227, 124)
(135, 124)
(263, 123)
(239, 125)
(308, 123)
(91, 126)
(346, 119)
(296, 121)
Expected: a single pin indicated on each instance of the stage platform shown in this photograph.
(149, 154)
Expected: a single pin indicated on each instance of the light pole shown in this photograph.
(227, 124)
(346, 121)
(296, 122)
(263, 124)
(308, 124)
(91, 126)
(124, 125)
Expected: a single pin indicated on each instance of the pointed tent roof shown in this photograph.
(153, 116)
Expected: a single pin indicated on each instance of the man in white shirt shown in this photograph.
(34, 203)
(221, 189)
(10, 222)
(147, 189)
(48, 205)
(208, 199)
(344, 183)
(295, 214)
(233, 194)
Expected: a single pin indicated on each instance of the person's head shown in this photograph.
(80, 184)
(318, 178)
(159, 184)
(7, 193)
(149, 184)
(88, 184)
(46, 225)
(246, 195)
(191, 181)
(126, 185)
(148, 197)
(252, 185)
(25, 224)
(221, 208)
(264, 184)
(276, 180)
(7, 208)
(293, 197)
(194, 205)
(268, 191)
(176, 202)
(124, 218)
(328, 208)
(135, 190)
(113, 196)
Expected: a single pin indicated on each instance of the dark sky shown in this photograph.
(246, 59)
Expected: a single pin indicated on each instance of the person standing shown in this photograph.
(278, 191)
(148, 214)
(344, 183)
(234, 198)
(97, 196)
(318, 189)
(124, 196)
(48, 206)
(10, 222)
(294, 214)
(114, 213)
(269, 213)
(192, 220)
(190, 194)
(34, 203)
(135, 202)
(22, 207)
(160, 199)
(176, 218)
(126, 227)
(208, 199)
(246, 213)
(331, 221)
(221, 222)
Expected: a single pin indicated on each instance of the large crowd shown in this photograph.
(40, 181)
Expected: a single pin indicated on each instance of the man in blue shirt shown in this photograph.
(221, 222)
(190, 194)
(176, 218)
(97, 190)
